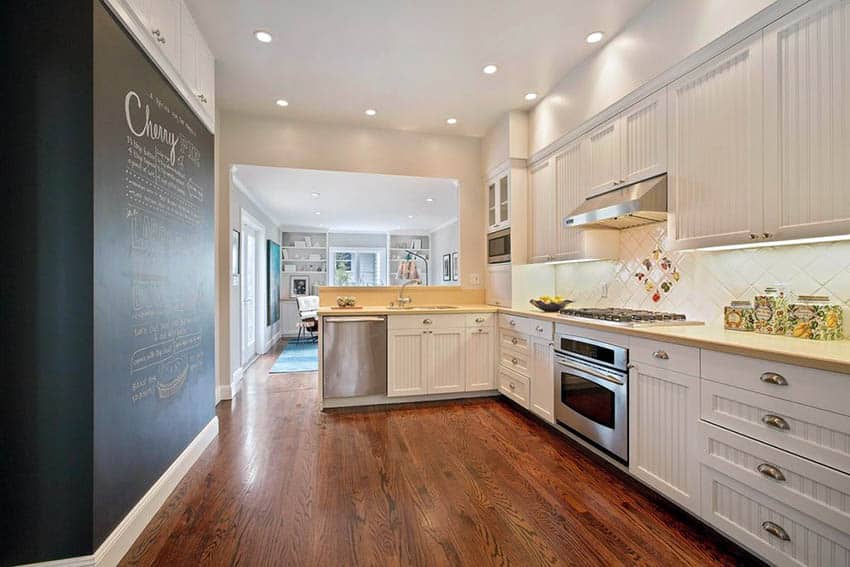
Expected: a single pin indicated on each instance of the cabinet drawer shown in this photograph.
(509, 340)
(426, 322)
(820, 435)
(818, 388)
(514, 386)
(543, 329)
(522, 325)
(516, 361)
(669, 356)
(480, 319)
(749, 517)
(807, 486)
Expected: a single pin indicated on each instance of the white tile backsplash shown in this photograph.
(709, 280)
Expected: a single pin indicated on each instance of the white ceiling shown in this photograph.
(350, 202)
(416, 62)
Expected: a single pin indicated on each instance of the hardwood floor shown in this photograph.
(461, 483)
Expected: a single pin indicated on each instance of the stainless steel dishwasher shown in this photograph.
(354, 356)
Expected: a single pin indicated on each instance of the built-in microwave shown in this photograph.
(499, 247)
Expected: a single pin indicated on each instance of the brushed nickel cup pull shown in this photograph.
(773, 378)
(775, 530)
(427, 321)
(776, 422)
(661, 355)
(772, 471)
(514, 341)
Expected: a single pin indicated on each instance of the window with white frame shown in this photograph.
(357, 266)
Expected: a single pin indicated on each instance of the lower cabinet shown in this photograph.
(542, 387)
(445, 360)
(514, 385)
(663, 436)
(406, 363)
(480, 359)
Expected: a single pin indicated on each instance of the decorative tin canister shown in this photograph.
(770, 314)
(738, 316)
(813, 317)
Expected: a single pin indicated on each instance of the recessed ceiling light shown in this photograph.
(451, 121)
(314, 195)
(317, 213)
(429, 200)
(371, 112)
(594, 37)
(410, 216)
(263, 36)
(531, 96)
(281, 102)
(490, 69)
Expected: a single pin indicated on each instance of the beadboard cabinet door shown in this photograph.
(664, 412)
(541, 212)
(445, 359)
(164, 21)
(542, 386)
(480, 359)
(715, 151)
(499, 286)
(807, 121)
(644, 139)
(601, 155)
(570, 191)
(406, 363)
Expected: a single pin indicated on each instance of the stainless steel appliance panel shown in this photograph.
(354, 356)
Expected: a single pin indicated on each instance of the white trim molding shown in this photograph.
(122, 538)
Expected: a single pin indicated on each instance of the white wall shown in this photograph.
(443, 241)
(251, 140)
(663, 34)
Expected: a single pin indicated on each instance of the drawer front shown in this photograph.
(819, 435)
(668, 356)
(456, 321)
(749, 517)
(509, 340)
(480, 320)
(543, 329)
(818, 388)
(516, 361)
(819, 491)
(514, 386)
(522, 325)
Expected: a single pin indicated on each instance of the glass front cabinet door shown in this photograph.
(499, 202)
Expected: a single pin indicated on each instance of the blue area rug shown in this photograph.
(297, 357)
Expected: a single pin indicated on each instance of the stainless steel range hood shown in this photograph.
(641, 203)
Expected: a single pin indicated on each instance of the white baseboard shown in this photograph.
(125, 534)
(272, 341)
(229, 391)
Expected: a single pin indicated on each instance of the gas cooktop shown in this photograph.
(622, 317)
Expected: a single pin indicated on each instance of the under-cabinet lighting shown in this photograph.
(768, 244)
(581, 261)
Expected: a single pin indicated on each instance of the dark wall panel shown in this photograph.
(153, 274)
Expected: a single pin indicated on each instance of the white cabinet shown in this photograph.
(406, 364)
(444, 359)
(541, 212)
(602, 157)
(498, 290)
(499, 202)
(205, 86)
(542, 386)
(807, 121)
(164, 23)
(480, 359)
(643, 139)
(715, 181)
(570, 191)
(663, 436)
(197, 64)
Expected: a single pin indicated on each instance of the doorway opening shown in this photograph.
(252, 289)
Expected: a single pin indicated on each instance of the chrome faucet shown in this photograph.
(402, 300)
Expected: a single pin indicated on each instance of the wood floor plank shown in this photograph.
(475, 482)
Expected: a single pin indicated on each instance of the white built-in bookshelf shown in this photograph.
(303, 254)
(399, 244)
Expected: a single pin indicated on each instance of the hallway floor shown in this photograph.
(460, 483)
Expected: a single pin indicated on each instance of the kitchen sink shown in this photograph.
(421, 307)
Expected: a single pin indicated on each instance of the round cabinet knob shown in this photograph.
(156, 32)
(512, 386)
(775, 422)
(512, 323)
(773, 378)
(661, 355)
(514, 341)
(427, 321)
(514, 361)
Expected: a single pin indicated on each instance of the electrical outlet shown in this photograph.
(474, 279)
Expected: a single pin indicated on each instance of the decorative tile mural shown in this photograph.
(705, 281)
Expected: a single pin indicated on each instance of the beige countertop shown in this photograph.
(417, 310)
(824, 355)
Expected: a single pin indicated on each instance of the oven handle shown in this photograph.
(564, 362)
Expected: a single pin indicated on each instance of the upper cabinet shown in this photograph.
(807, 122)
(643, 139)
(715, 181)
(167, 31)
(602, 157)
(541, 212)
(570, 191)
(499, 202)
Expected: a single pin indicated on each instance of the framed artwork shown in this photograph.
(235, 259)
(455, 267)
(447, 267)
(273, 282)
(299, 285)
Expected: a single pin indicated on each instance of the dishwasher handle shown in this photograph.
(355, 319)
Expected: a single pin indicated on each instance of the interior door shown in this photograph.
(249, 300)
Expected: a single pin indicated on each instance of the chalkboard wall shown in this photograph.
(153, 274)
